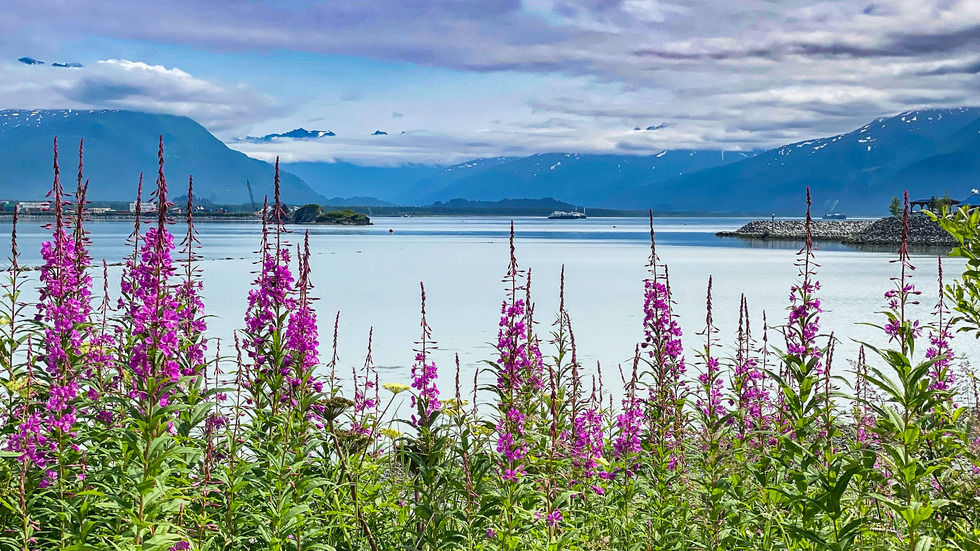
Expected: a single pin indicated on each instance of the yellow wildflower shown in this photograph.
(395, 388)
(390, 433)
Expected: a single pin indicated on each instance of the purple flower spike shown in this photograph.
(939, 339)
(424, 375)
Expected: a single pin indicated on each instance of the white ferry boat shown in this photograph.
(563, 215)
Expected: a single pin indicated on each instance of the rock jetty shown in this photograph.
(884, 231)
(888, 231)
(792, 230)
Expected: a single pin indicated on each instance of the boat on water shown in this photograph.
(832, 215)
(563, 215)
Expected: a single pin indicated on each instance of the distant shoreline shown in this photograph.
(406, 212)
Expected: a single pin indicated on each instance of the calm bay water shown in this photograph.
(372, 278)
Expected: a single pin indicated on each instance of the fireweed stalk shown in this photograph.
(806, 427)
(915, 422)
(748, 390)
(802, 367)
(940, 336)
(302, 356)
(365, 395)
(586, 421)
(29, 439)
(281, 343)
(425, 400)
(519, 371)
(188, 294)
(711, 465)
(64, 309)
(154, 309)
(12, 309)
(664, 354)
(629, 425)
(155, 373)
(269, 304)
(900, 328)
(515, 374)
(64, 312)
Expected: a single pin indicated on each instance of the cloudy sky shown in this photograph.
(456, 79)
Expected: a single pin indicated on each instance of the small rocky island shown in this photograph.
(884, 231)
(314, 214)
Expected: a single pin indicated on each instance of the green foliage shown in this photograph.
(964, 225)
(247, 455)
(314, 214)
(895, 207)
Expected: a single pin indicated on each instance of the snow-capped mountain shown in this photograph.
(927, 152)
(32, 61)
(297, 134)
(579, 178)
(121, 144)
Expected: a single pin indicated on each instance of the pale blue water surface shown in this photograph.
(371, 276)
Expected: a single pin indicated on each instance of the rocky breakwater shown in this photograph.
(884, 231)
(888, 231)
(795, 230)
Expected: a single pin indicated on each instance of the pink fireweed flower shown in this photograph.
(629, 424)
(64, 304)
(520, 360)
(748, 381)
(665, 355)
(899, 327)
(188, 294)
(424, 375)
(511, 443)
(587, 441)
(270, 295)
(301, 330)
(661, 330)
(31, 442)
(364, 399)
(153, 309)
(270, 298)
(711, 404)
(939, 339)
(520, 370)
(804, 321)
(553, 518)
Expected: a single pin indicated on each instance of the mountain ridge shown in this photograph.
(295, 134)
(862, 168)
(927, 151)
(120, 144)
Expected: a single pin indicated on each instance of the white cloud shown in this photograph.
(752, 73)
(134, 85)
